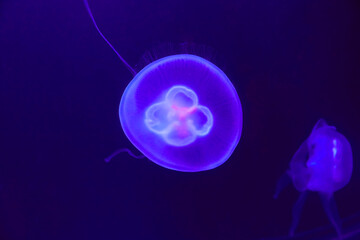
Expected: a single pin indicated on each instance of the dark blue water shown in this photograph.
(291, 62)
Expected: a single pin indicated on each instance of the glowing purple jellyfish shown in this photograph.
(322, 164)
(181, 111)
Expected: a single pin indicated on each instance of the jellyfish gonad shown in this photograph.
(181, 112)
(322, 164)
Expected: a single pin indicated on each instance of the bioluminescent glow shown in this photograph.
(181, 111)
(322, 164)
(179, 119)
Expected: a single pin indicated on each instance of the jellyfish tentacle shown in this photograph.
(133, 72)
(331, 211)
(282, 183)
(128, 151)
(296, 211)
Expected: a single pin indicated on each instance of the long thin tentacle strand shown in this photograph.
(102, 35)
(117, 152)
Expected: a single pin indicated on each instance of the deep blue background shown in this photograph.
(291, 62)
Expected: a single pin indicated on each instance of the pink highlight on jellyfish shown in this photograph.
(180, 128)
(182, 112)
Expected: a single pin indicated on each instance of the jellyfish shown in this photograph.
(322, 164)
(181, 112)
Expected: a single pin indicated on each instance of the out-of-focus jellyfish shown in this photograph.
(181, 111)
(322, 164)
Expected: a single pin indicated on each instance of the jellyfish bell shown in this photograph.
(330, 163)
(323, 163)
(181, 111)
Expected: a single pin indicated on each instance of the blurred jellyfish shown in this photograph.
(181, 111)
(322, 164)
